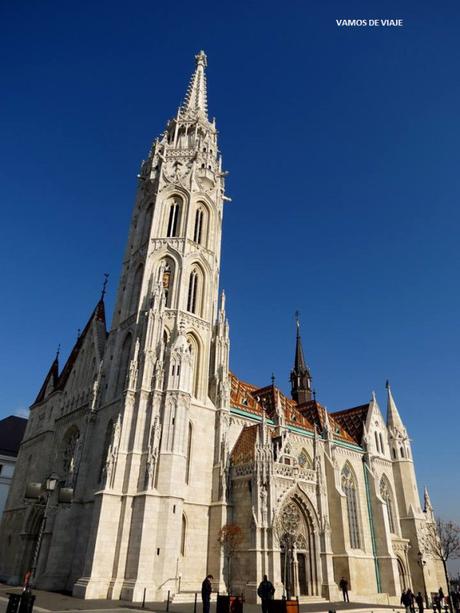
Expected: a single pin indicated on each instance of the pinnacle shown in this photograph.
(196, 98)
(393, 418)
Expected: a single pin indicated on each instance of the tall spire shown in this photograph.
(196, 98)
(393, 418)
(300, 375)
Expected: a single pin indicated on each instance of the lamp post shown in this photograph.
(49, 487)
(421, 562)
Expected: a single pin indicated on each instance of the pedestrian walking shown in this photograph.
(343, 585)
(456, 601)
(265, 592)
(412, 600)
(441, 596)
(437, 603)
(206, 589)
(420, 602)
(406, 600)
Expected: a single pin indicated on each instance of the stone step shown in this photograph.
(308, 599)
(190, 597)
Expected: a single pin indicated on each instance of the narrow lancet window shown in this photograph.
(349, 489)
(192, 292)
(173, 221)
(197, 234)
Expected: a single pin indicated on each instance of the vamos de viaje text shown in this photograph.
(375, 23)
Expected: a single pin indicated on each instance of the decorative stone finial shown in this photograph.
(201, 59)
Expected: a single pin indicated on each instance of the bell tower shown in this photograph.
(160, 369)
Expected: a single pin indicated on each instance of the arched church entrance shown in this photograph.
(300, 569)
(402, 574)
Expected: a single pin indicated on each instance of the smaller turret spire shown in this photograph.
(300, 375)
(196, 98)
(427, 506)
(393, 418)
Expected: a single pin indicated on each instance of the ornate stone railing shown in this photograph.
(295, 472)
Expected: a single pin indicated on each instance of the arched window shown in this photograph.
(201, 225)
(183, 535)
(189, 453)
(70, 455)
(193, 288)
(402, 452)
(385, 493)
(304, 459)
(349, 489)
(105, 450)
(195, 353)
(394, 453)
(167, 269)
(174, 219)
(381, 443)
(136, 290)
(147, 224)
(377, 441)
(123, 365)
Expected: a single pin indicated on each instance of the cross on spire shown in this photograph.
(104, 285)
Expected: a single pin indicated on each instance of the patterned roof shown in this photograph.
(270, 399)
(352, 420)
(244, 449)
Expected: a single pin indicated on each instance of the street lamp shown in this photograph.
(43, 496)
(421, 562)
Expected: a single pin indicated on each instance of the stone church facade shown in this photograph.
(158, 447)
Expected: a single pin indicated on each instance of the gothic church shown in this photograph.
(157, 446)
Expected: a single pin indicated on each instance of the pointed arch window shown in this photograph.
(123, 365)
(173, 219)
(147, 224)
(167, 279)
(136, 289)
(199, 222)
(195, 353)
(105, 451)
(70, 453)
(349, 489)
(385, 493)
(193, 287)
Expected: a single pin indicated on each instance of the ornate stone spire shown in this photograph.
(394, 421)
(196, 98)
(300, 375)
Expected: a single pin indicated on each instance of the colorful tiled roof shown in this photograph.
(352, 420)
(244, 449)
(270, 399)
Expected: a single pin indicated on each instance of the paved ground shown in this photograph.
(61, 603)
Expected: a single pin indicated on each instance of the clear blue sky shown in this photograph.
(343, 152)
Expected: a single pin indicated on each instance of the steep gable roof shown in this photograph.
(59, 380)
(353, 420)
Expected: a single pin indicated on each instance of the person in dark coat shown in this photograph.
(420, 602)
(406, 600)
(343, 585)
(455, 596)
(206, 589)
(265, 592)
(437, 603)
